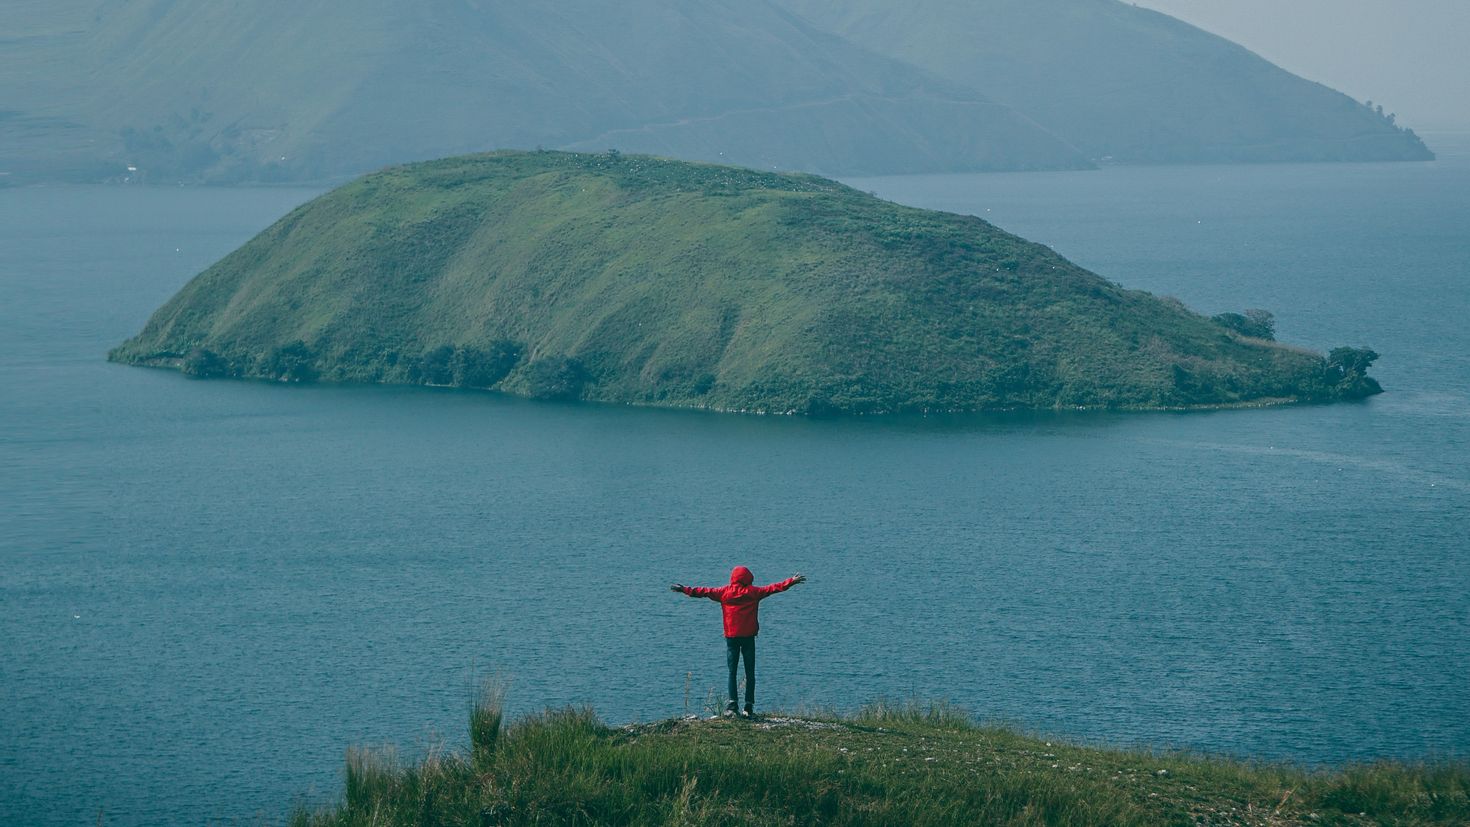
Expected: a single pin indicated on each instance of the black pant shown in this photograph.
(734, 648)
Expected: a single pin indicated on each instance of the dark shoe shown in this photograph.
(729, 709)
(749, 712)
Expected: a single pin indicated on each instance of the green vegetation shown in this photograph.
(1258, 324)
(889, 764)
(645, 281)
(1123, 83)
(1347, 367)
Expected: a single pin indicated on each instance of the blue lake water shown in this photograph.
(210, 589)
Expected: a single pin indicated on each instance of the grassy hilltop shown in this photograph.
(888, 765)
(639, 280)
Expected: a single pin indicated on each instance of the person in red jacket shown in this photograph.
(740, 602)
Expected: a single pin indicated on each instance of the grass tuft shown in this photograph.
(373, 776)
(487, 714)
(915, 711)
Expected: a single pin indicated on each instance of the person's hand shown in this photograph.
(798, 579)
(677, 587)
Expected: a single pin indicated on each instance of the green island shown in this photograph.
(889, 764)
(639, 280)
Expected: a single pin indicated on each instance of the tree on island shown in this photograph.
(1255, 323)
(436, 367)
(293, 362)
(1349, 363)
(1347, 368)
(203, 363)
(477, 368)
(466, 367)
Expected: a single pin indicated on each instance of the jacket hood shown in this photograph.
(741, 576)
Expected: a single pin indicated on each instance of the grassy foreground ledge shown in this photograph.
(887, 765)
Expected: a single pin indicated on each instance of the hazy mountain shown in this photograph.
(1120, 81)
(309, 89)
(648, 281)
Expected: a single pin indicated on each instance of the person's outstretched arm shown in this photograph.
(698, 591)
(767, 591)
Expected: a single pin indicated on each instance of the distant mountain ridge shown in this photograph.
(296, 90)
(321, 90)
(647, 281)
(1123, 83)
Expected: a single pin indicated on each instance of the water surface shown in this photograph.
(210, 589)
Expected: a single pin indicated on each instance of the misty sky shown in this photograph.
(1410, 55)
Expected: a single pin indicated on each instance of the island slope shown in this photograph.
(640, 280)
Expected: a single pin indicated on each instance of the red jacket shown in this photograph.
(740, 600)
